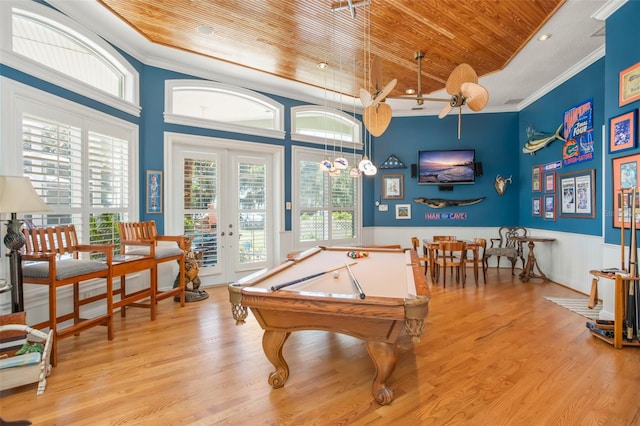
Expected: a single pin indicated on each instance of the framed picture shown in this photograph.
(577, 191)
(629, 85)
(535, 207)
(625, 176)
(536, 176)
(622, 132)
(550, 182)
(403, 211)
(550, 207)
(154, 192)
(393, 187)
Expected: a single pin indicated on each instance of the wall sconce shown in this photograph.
(17, 195)
(501, 184)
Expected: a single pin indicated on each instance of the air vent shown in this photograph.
(513, 101)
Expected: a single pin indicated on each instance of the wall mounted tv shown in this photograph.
(446, 167)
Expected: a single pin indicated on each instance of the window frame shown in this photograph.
(356, 124)
(170, 86)
(130, 103)
(25, 99)
(313, 154)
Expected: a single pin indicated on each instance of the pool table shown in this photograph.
(394, 293)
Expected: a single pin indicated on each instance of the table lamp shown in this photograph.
(17, 195)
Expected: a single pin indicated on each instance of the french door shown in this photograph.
(223, 201)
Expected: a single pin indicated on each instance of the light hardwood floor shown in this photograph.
(498, 354)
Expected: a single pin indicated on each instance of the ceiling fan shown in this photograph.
(377, 113)
(463, 87)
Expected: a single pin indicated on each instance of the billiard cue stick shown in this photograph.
(630, 318)
(355, 283)
(308, 277)
(623, 263)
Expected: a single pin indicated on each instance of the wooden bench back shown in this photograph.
(60, 239)
(138, 231)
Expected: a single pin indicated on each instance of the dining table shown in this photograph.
(432, 246)
(532, 263)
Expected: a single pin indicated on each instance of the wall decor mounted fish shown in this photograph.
(439, 203)
(542, 140)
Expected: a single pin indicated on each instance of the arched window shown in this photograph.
(219, 106)
(50, 46)
(312, 123)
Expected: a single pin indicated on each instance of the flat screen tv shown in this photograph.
(446, 167)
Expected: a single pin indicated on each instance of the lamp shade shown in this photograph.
(17, 195)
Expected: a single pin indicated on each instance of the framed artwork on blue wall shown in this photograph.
(154, 192)
(629, 87)
(577, 192)
(622, 132)
(550, 182)
(536, 177)
(550, 207)
(535, 207)
(625, 177)
(403, 211)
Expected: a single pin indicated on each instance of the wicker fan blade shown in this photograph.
(365, 97)
(445, 110)
(376, 74)
(476, 96)
(383, 94)
(461, 74)
(377, 118)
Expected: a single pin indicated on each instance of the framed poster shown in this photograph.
(629, 85)
(535, 207)
(577, 190)
(550, 207)
(622, 132)
(625, 176)
(393, 187)
(536, 176)
(403, 211)
(154, 192)
(550, 182)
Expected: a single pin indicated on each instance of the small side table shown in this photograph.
(528, 271)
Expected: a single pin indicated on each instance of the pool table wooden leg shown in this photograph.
(272, 343)
(384, 358)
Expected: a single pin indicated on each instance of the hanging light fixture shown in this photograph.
(366, 165)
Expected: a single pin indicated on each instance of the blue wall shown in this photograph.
(493, 136)
(546, 114)
(623, 32)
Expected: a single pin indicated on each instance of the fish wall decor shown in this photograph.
(439, 203)
(542, 140)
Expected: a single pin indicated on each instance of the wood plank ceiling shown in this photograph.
(290, 38)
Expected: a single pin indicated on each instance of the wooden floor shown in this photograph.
(498, 354)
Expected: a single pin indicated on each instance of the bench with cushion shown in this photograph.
(54, 257)
(142, 238)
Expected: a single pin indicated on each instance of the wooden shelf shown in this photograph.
(611, 341)
(618, 340)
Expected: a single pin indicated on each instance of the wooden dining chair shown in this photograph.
(438, 238)
(478, 248)
(424, 258)
(451, 254)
